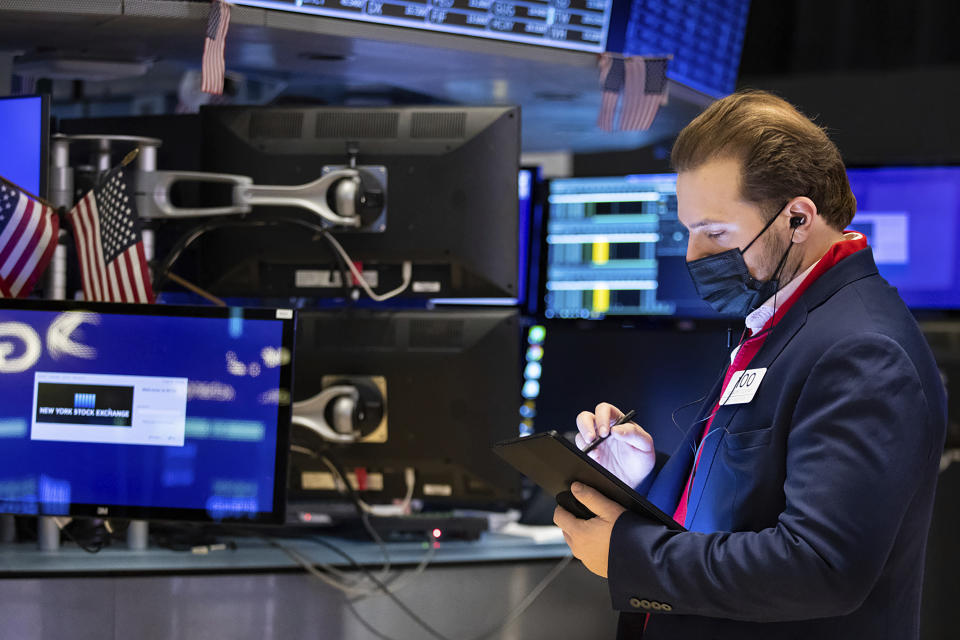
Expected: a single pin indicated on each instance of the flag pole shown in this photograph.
(197, 290)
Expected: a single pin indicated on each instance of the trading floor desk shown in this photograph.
(259, 591)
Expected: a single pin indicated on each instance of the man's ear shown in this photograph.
(802, 216)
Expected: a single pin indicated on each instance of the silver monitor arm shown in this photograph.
(153, 195)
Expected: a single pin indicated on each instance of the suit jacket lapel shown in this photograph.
(773, 346)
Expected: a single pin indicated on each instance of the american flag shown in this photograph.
(644, 91)
(611, 82)
(28, 238)
(213, 65)
(113, 265)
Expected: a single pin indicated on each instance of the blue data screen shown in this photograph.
(139, 411)
(21, 141)
(911, 217)
(705, 38)
(616, 248)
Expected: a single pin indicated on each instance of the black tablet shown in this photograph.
(554, 463)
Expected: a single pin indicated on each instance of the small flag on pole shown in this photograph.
(113, 265)
(28, 238)
(640, 81)
(611, 82)
(213, 65)
(645, 89)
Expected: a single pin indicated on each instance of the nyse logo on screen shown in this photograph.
(21, 346)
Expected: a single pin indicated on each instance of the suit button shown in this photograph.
(635, 603)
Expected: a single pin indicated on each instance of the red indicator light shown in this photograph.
(437, 533)
(307, 517)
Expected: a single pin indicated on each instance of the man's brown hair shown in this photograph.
(783, 154)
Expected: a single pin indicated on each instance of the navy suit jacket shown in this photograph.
(809, 511)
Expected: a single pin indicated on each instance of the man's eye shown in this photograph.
(715, 234)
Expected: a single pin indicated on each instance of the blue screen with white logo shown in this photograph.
(21, 141)
(143, 411)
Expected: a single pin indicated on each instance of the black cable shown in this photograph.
(95, 543)
(191, 236)
(673, 414)
(358, 504)
(382, 587)
(182, 243)
(366, 625)
(420, 621)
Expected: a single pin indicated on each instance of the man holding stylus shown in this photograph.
(806, 482)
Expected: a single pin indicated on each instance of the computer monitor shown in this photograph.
(661, 372)
(705, 50)
(615, 248)
(144, 411)
(580, 26)
(25, 136)
(438, 389)
(450, 199)
(911, 218)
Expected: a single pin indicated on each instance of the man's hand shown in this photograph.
(589, 540)
(628, 453)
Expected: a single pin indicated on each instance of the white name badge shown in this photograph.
(742, 387)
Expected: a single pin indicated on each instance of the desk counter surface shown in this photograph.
(256, 554)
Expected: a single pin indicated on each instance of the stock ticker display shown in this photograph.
(565, 24)
(615, 247)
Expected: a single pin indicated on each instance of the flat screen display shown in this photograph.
(144, 411)
(564, 24)
(911, 217)
(705, 38)
(23, 142)
(615, 247)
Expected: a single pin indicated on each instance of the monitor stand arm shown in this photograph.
(153, 195)
(311, 413)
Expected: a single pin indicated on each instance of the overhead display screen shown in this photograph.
(565, 24)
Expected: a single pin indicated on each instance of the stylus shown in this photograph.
(624, 418)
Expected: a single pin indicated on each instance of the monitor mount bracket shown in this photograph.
(357, 195)
(347, 409)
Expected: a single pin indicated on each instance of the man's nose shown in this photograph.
(694, 251)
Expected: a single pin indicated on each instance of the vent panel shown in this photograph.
(267, 124)
(438, 125)
(352, 124)
(436, 334)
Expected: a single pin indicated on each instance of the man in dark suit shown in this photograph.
(806, 482)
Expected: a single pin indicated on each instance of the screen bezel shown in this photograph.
(44, 137)
(284, 411)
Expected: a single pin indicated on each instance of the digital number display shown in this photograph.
(565, 24)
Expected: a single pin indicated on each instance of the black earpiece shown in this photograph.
(796, 221)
